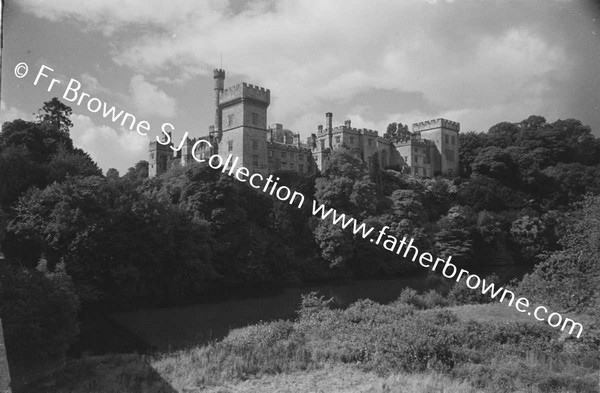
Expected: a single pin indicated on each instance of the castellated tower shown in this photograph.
(444, 133)
(243, 121)
(159, 157)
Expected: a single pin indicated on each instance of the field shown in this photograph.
(365, 348)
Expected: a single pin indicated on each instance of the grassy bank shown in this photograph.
(367, 347)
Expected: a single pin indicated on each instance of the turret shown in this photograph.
(329, 118)
(219, 77)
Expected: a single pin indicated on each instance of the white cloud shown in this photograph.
(10, 113)
(148, 99)
(310, 52)
(108, 147)
(111, 15)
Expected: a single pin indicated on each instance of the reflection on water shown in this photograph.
(178, 327)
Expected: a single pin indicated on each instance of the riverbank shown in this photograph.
(366, 347)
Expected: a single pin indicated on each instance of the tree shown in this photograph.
(469, 145)
(397, 131)
(139, 171)
(57, 114)
(569, 278)
(39, 314)
(112, 174)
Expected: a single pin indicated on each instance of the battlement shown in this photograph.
(244, 91)
(436, 123)
(348, 130)
(219, 74)
(366, 132)
(414, 142)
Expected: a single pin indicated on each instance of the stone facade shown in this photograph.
(430, 150)
(240, 129)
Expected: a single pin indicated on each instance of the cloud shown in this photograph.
(109, 16)
(461, 58)
(10, 113)
(108, 147)
(148, 99)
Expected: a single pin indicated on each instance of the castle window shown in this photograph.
(152, 156)
(284, 165)
(424, 171)
(337, 139)
(254, 118)
(291, 165)
(283, 154)
(255, 159)
(230, 145)
(254, 144)
(230, 120)
(322, 144)
(351, 139)
(300, 157)
(370, 143)
(301, 168)
(292, 155)
(446, 139)
(453, 138)
(271, 153)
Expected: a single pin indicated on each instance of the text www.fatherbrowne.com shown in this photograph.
(72, 93)
(270, 186)
(449, 270)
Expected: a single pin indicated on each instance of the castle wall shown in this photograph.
(241, 115)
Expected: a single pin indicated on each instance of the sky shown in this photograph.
(478, 62)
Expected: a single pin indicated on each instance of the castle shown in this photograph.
(240, 129)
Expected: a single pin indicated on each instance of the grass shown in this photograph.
(367, 347)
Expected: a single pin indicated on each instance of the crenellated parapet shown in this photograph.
(414, 142)
(348, 130)
(436, 123)
(245, 91)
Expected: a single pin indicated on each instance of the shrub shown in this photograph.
(461, 294)
(423, 301)
(39, 313)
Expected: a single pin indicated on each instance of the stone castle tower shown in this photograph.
(240, 130)
(444, 133)
(241, 122)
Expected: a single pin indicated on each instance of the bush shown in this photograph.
(423, 301)
(461, 294)
(39, 313)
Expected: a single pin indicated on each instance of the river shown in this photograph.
(180, 327)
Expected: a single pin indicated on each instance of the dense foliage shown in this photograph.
(389, 339)
(195, 232)
(39, 314)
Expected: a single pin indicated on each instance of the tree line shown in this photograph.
(194, 232)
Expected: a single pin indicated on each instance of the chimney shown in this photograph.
(329, 118)
(348, 124)
(320, 128)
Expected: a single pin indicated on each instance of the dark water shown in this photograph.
(179, 327)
